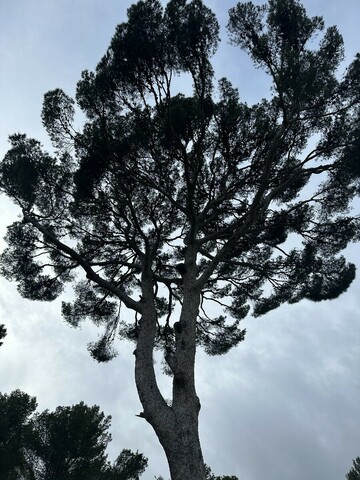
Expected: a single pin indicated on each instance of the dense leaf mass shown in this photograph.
(68, 443)
(3, 333)
(15, 432)
(253, 200)
(354, 472)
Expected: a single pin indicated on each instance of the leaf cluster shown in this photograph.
(3, 333)
(354, 472)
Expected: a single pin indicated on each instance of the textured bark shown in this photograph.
(183, 450)
(177, 425)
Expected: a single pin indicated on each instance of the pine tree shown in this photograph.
(354, 472)
(169, 203)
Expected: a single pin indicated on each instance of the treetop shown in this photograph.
(197, 192)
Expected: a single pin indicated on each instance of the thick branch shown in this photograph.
(90, 273)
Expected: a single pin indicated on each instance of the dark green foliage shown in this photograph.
(226, 477)
(261, 193)
(20, 264)
(210, 476)
(3, 333)
(58, 114)
(72, 441)
(68, 443)
(354, 472)
(127, 466)
(102, 350)
(20, 170)
(217, 337)
(16, 433)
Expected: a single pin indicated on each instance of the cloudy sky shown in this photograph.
(285, 404)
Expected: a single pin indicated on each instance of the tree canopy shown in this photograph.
(187, 211)
(16, 433)
(154, 171)
(72, 441)
(354, 472)
(68, 443)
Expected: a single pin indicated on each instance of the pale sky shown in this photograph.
(284, 405)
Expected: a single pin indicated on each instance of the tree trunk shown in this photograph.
(178, 433)
(183, 450)
(177, 425)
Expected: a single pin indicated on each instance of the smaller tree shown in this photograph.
(16, 433)
(210, 476)
(66, 444)
(354, 472)
(2, 333)
(127, 466)
(72, 441)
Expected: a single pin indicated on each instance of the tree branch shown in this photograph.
(90, 273)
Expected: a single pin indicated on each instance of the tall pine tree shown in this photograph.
(169, 203)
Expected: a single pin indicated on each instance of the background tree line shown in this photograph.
(68, 443)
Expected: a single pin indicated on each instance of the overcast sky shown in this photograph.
(285, 404)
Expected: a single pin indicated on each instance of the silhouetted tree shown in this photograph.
(354, 472)
(210, 476)
(168, 200)
(16, 434)
(72, 442)
(127, 466)
(66, 444)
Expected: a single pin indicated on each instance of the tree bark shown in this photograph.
(183, 450)
(182, 446)
(176, 426)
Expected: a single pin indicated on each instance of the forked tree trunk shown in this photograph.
(178, 433)
(177, 425)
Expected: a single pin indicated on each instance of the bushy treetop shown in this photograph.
(199, 188)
